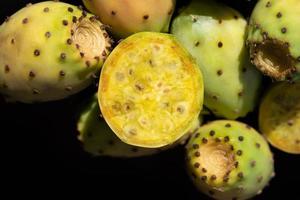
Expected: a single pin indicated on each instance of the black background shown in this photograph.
(41, 152)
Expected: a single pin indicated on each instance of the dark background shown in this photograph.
(41, 152)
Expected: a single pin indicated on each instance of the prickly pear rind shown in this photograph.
(279, 117)
(229, 159)
(127, 17)
(274, 25)
(150, 90)
(99, 140)
(215, 36)
(46, 52)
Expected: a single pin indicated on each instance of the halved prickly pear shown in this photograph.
(150, 90)
(279, 117)
(127, 17)
(274, 39)
(99, 140)
(229, 160)
(49, 51)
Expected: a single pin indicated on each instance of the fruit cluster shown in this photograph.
(167, 75)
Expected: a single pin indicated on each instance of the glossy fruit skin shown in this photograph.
(43, 52)
(127, 17)
(238, 151)
(215, 36)
(274, 24)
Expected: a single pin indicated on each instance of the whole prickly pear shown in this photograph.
(50, 50)
(130, 16)
(150, 90)
(215, 35)
(99, 140)
(229, 160)
(274, 38)
(279, 117)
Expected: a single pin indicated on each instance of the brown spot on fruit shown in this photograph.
(31, 74)
(6, 68)
(220, 44)
(239, 152)
(70, 9)
(25, 21)
(48, 34)
(219, 72)
(62, 73)
(37, 52)
(65, 22)
(63, 56)
(227, 125)
(196, 165)
(279, 15)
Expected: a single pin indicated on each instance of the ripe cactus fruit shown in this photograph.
(215, 36)
(150, 90)
(130, 16)
(274, 38)
(279, 117)
(229, 160)
(50, 50)
(99, 140)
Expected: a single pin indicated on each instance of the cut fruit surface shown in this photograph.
(150, 90)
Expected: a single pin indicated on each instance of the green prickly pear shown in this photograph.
(229, 160)
(274, 39)
(150, 90)
(215, 36)
(49, 51)
(130, 16)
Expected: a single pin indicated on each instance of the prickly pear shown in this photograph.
(130, 16)
(279, 116)
(150, 90)
(229, 160)
(274, 39)
(99, 140)
(215, 35)
(49, 51)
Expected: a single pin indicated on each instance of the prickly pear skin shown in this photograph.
(130, 16)
(229, 160)
(279, 116)
(46, 53)
(276, 21)
(150, 90)
(215, 35)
